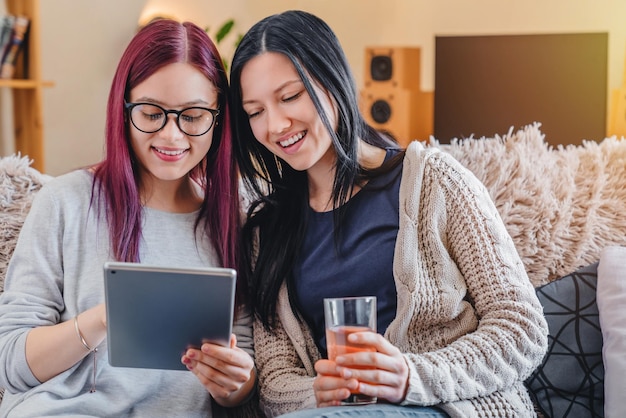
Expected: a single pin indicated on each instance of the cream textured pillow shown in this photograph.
(18, 184)
(611, 300)
(560, 205)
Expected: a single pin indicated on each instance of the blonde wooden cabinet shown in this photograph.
(28, 91)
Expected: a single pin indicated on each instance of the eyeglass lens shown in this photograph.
(192, 121)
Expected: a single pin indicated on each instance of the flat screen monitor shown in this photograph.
(486, 84)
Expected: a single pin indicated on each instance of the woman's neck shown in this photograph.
(176, 196)
(371, 157)
(322, 176)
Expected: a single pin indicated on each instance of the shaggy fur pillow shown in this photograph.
(18, 184)
(561, 205)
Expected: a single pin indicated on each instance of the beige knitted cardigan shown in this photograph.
(468, 319)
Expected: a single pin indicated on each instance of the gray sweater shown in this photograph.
(57, 272)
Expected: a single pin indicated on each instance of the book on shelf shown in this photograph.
(14, 46)
(6, 30)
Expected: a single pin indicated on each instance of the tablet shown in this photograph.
(155, 313)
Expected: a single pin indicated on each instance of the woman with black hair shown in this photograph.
(339, 209)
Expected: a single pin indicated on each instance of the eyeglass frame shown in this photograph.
(129, 106)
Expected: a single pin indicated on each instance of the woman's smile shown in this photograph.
(297, 137)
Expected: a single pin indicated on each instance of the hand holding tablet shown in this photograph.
(155, 313)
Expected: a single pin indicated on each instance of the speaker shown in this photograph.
(404, 114)
(392, 67)
(392, 101)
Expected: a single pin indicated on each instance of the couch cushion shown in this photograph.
(559, 204)
(612, 309)
(18, 184)
(570, 381)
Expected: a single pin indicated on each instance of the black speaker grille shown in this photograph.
(381, 68)
(380, 111)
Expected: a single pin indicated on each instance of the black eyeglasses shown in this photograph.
(151, 118)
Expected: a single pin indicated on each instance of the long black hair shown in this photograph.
(279, 194)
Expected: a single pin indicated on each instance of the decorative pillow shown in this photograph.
(570, 381)
(18, 184)
(612, 309)
(559, 218)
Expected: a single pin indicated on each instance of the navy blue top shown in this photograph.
(364, 264)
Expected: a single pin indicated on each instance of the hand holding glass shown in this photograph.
(345, 316)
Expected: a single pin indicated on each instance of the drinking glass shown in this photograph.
(343, 317)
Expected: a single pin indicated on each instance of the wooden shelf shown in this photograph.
(28, 92)
(25, 84)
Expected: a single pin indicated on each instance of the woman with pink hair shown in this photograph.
(165, 194)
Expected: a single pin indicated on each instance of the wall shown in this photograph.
(81, 48)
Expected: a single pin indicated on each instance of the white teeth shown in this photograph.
(168, 152)
(292, 140)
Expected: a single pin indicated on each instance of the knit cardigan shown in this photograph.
(468, 320)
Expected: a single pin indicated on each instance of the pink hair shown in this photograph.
(160, 43)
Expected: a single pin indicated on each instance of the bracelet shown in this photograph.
(91, 350)
(80, 335)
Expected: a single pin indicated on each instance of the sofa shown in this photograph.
(563, 206)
